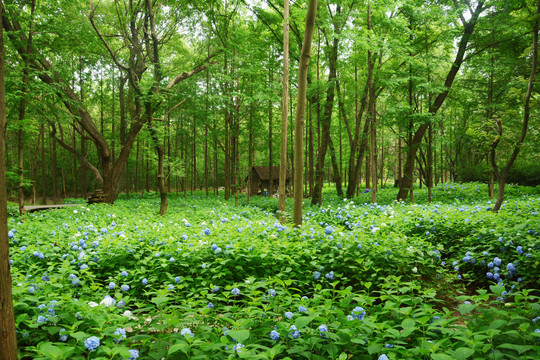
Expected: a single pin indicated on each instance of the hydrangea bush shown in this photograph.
(447, 280)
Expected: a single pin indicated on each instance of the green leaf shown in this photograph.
(302, 321)
(408, 323)
(497, 324)
(519, 348)
(463, 353)
(496, 289)
(181, 346)
(374, 348)
(466, 308)
(79, 335)
(51, 351)
(159, 300)
(441, 357)
(239, 335)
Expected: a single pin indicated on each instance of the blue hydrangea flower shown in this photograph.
(519, 250)
(235, 291)
(11, 235)
(112, 285)
(330, 275)
(215, 289)
(206, 231)
(75, 282)
(274, 335)
(144, 281)
(383, 357)
(289, 315)
(186, 332)
(511, 267)
(295, 334)
(210, 305)
(91, 343)
(316, 275)
(239, 347)
(42, 319)
(120, 334)
(497, 261)
(328, 230)
(302, 309)
(124, 273)
(359, 312)
(177, 279)
(272, 292)
(64, 337)
(323, 329)
(134, 354)
(388, 346)
(225, 330)
(124, 287)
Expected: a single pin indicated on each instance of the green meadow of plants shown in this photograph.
(446, 280)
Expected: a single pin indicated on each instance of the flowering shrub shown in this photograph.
(211, 280)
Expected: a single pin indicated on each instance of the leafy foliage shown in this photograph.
(210, 280)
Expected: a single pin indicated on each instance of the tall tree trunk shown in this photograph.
(311, 160)
(22, 109)
(300, 112)
(526, 114)
(284, 114)
(372, 118)
(325, 124)
(8, 338)
(335, 169)
(54, 171)
(43, 174)
(41, 138)
(270, 145)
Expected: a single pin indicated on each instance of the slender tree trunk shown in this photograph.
(300, 112)
(8, 338)
(54, 171)
(526, 114)
(325, 124)
(372, 118)
(250, 153)
(270, 145)
(335, 168)
(284, 113)
(43, 174)
(22, 109)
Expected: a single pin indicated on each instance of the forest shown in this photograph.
(309, 179)
(101, 93)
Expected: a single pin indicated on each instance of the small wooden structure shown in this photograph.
(32, 208)
(97, 196)
(260, 180)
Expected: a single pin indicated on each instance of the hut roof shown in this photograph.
(264, 173)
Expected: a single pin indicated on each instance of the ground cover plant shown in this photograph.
(210, 280)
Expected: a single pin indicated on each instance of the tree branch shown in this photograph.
(185, 75)
(105, 43)
(83, 158)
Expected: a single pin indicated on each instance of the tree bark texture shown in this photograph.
(300, 113)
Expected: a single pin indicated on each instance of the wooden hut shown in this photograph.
(260, 180)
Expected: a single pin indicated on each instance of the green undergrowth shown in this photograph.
(210, 280)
